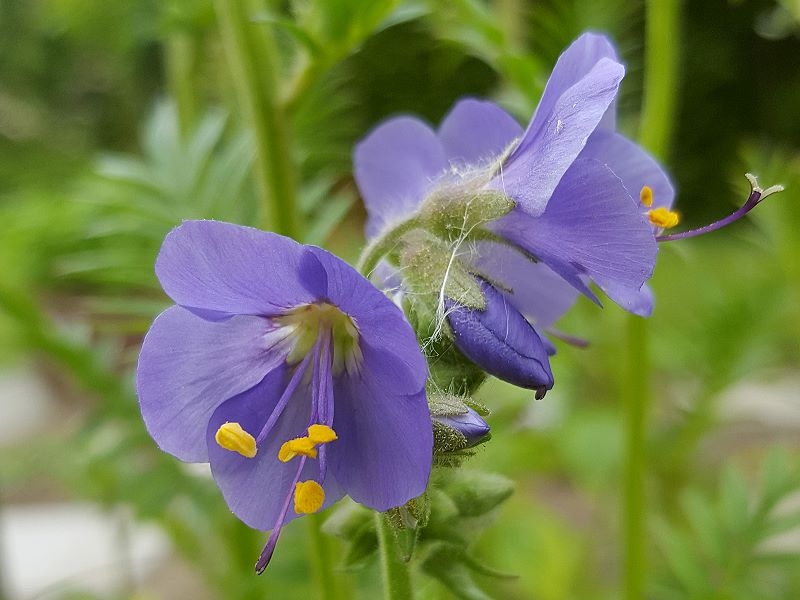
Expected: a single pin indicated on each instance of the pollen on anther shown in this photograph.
(232, 437)
(321, 434)
(646, 196)
(295, 447)
(308, 497)
(663, 217)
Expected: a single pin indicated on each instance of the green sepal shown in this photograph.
(430, 269)
(450, 447)
(445, 404)
(444, 520)
(450, 370)
(442, 404)
(456, 458)
(407, 522)
(447, 439)
(479, 408)
(460, 213)
(475, 493)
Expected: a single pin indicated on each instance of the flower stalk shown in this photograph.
(636, 400)
(328, 584)
(253, 58)
(394, 572)
(661, 62)
(181, 70)
(383, 245)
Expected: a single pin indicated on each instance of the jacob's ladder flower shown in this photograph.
(288, 371)
(531, 216)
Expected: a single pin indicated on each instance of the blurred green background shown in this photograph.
(117, 120)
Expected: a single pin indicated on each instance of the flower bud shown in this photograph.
(501, 341)
(469, 424)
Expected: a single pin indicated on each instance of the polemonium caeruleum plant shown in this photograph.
(300, 382)
(288, 372)
(522, 221)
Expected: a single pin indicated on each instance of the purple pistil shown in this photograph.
(756, 196)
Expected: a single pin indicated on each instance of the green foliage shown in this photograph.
(434, 531)
(729, 547)
(139, 199)
(78, 287)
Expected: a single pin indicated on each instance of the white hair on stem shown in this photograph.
(456, 252)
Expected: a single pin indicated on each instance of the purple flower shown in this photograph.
(287, 371)
(500, 340)
(586, 201)
(469, 424)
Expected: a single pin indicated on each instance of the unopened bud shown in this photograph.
(501, 341)
(469, 424)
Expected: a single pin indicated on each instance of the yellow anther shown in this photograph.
(663, 217)
(232, 437)
(292, 448)
(308, 497)
(321, 434)
(646, 196)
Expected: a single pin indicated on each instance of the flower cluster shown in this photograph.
(301, 382)
(518, 221)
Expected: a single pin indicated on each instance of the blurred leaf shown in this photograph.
(727, 547)
(704, 522)
(136, 200)
(444, 565)
(476, 493)
(734, 510)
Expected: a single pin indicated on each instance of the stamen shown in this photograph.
(269, 547)
(284, 399)
(757, 194)
(298, 446)
(307, 445)
(322, 398)
(662, 217)
(321, 391)
(646, 196)
(308, 497)
(321, 434)
(232, 437)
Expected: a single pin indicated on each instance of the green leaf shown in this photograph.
(734, 502)
(360, 549)
(475, 493)
(682, 559)
(347, 519)
(706, 525)
(445, 564)
(777, 476)
(328, 217)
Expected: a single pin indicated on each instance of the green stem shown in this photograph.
(394, 572)
(181, 72)
(660, 75)
(660, 84)
(635, 394)
(254, 61)
(326, 581)
(383, 245)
